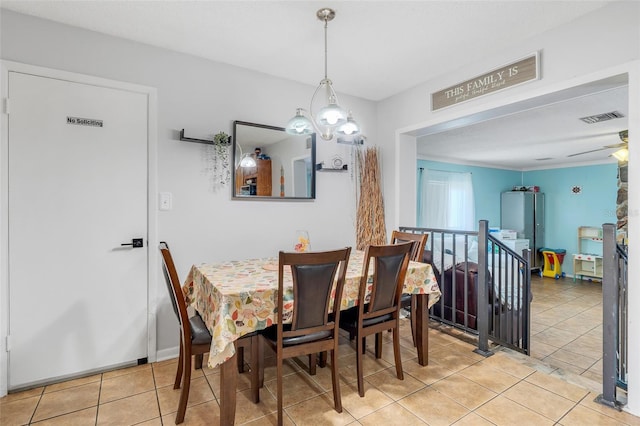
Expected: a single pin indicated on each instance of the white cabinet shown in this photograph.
(588, 261)
(516, 245)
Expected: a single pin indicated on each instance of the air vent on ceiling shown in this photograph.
(544, 159)
(602, 117)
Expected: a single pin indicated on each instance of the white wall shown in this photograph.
(203, 97)
(593, 47)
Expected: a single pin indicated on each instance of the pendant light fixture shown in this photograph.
(331, 119)
(246, 160)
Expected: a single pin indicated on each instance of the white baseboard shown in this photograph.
(167, 353)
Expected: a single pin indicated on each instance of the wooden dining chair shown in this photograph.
(380, 310)
(408, 301)
(195, 339)
(313, 325)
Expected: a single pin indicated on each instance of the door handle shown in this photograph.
(136, 242)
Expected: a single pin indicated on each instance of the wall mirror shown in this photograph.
(270, 163)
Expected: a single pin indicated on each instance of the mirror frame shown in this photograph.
(236, 142)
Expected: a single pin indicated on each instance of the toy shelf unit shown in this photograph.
(588, 261)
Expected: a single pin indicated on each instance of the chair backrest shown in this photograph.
(390, 264)
(175, 291)
(314, 276)
(420, 242)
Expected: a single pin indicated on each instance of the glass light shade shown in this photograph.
(350, 128)
(247, 161)
(621, 154)
(332, 115)
(299, 125)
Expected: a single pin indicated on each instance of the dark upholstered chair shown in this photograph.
(417, 251)
(195, 339)
(313, 328)
(407, 301)
(455, 312)
(504, 322)
(382, 311)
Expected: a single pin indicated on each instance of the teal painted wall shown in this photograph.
(564, 211)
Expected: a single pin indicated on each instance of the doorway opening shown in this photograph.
(571, 328)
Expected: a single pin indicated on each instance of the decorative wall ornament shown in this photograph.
(576, 190)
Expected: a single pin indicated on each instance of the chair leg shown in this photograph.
(378, 345)
(255, 368)
(260, 363)
(322, 362)
(240, 358)
(396, 352)
(313, 361)
(414, 303)
(337, 400)
(359, 360)
(176, 383)
(279, 387)
(186, 384)
(198, 363)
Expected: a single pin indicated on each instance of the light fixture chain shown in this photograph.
(326, 24)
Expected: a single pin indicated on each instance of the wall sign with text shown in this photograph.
(510, 75)
(84, 121)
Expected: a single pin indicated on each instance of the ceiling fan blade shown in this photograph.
(586, 152)
(618, 145)
(614, 146)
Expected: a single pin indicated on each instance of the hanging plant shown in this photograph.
(221, 166)
(221, 139)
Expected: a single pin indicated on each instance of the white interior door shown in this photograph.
(77, 191)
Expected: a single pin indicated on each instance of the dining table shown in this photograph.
(235, 298)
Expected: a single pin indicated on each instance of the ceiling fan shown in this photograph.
(624, 137)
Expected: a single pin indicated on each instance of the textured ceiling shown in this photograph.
(376, 48)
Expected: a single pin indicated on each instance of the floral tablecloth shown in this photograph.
(239, 297)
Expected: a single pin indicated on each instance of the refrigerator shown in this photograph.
(523, 212)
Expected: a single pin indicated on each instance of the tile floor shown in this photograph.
(556, 386)
(566, 325)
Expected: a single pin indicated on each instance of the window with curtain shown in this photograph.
(445, 200)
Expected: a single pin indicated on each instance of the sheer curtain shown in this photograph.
(445, 200)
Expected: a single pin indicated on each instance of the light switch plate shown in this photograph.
(166, 202)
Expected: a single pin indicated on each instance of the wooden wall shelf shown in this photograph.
(321, 168)
(205, 141)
